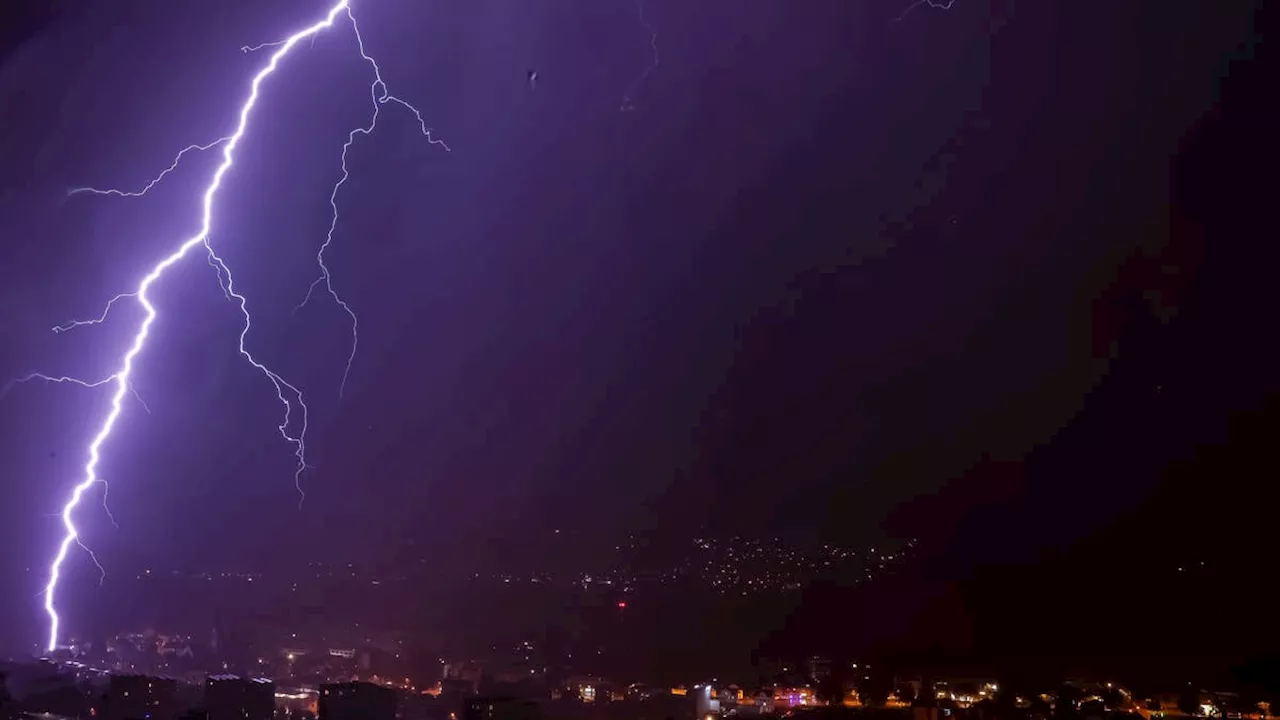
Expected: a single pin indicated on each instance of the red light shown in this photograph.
(622, 603)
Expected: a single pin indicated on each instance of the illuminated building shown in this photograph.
(786, 698)
(700, 702)
(292, 701)
(706, 704)
(357, 701)
(229, 697)
(819, 668)
(589, 689)
(139, 697)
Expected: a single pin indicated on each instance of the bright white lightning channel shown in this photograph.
(287, 393)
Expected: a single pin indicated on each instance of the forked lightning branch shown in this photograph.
(293, 424)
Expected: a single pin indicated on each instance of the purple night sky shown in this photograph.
(828, 268)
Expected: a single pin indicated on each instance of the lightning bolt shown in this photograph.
(935, 4)
(286, 392)
(110, 303)
(627, 99)
(379, 96)
(105, 508)
(155, 181)
(73, 381)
